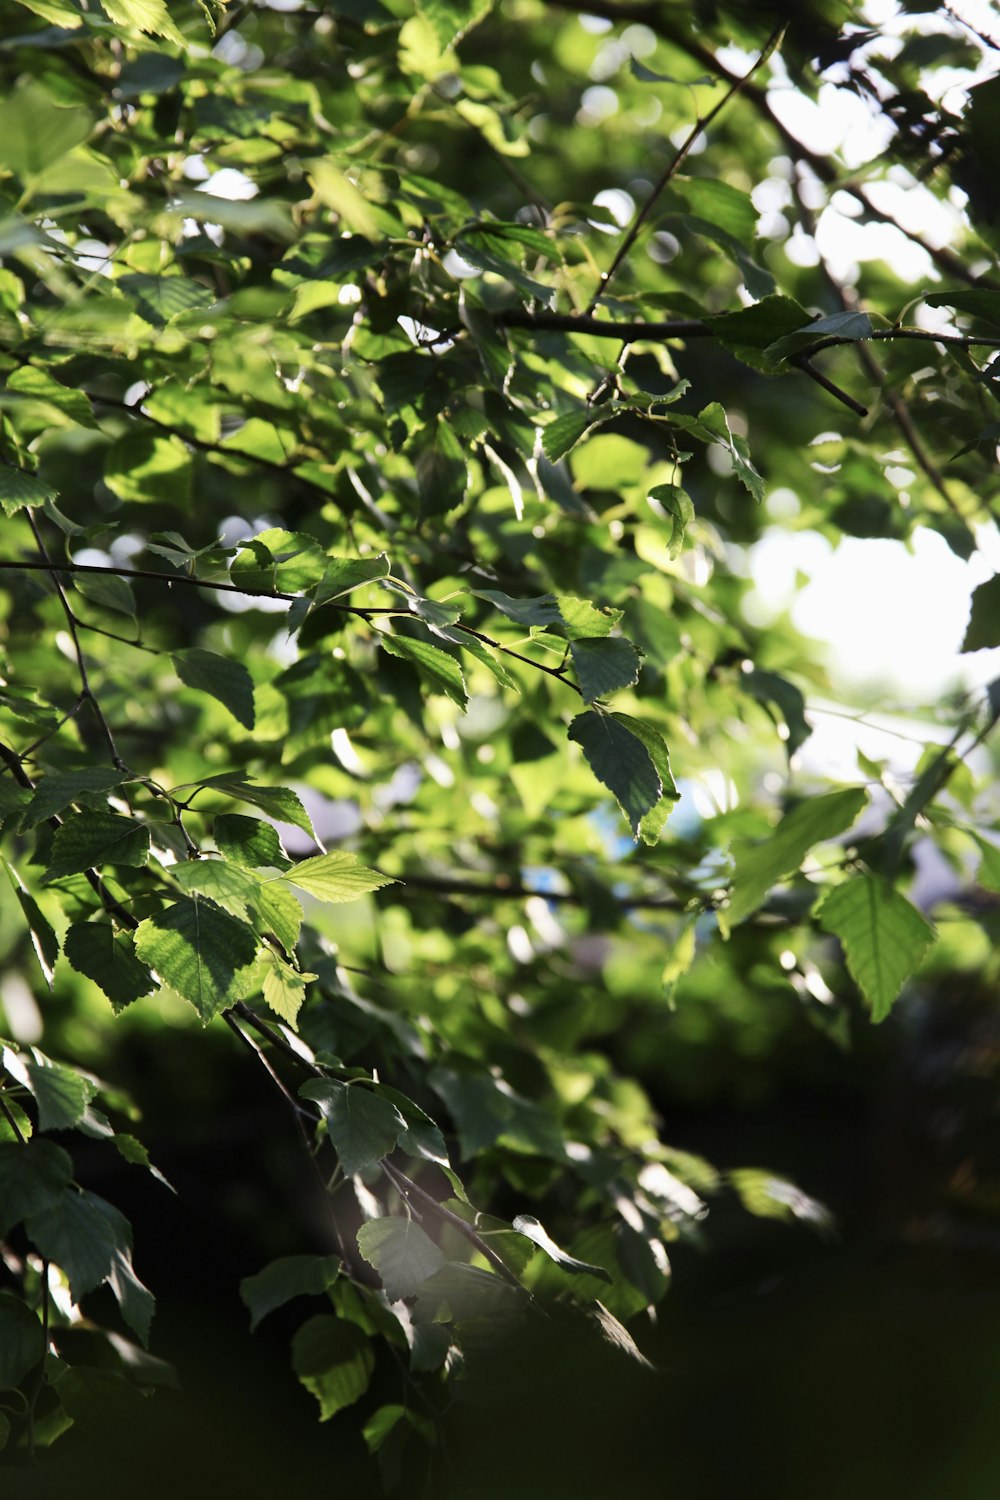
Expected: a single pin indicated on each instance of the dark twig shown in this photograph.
(86, 691)
(674, 165)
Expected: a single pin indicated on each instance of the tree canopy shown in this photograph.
(392, 398)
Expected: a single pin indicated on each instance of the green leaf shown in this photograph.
(135, 1301)
(542, 611)
(884, 938)
(616, 1334)
(776, 692)
(61, 1093)
(362, 1125)
(222, 678)
(134, 1152)
(983, 630)
(289, 561)
(620, 760)
(527, 1225)
(278, 802)
(441, 671)
(977, 303)
(344, 574)
(714, 421)
(145, 15)
(55, 792)
(842, 325)
(604, 666)
(160, 298)
(759, 866)
(988, 874)
(323, 694)
(281, 1280)
(283, 987)
(78, 1235)
(566, 431)
(336, 877)
(198, 950)
(401, 1253)
(234, 889)
(92, 839)
(678, 506)
(22, 1341)
(43, 938)
(249, 841)
(108, 958)
(489, 251)
(19, 489)
(442, 475)
(145, 466)
(107, 592)
(334, 1360)
(752, 331)
(33, 1176)
(36, 131)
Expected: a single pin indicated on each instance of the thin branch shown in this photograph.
(410, 1189)
(675, 163)
(493, 890)
(86, 691)
(650, 13)
(808, 368)
(28, 566)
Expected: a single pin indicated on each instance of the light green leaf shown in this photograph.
(160, 298)
(281, 1280)
(284, 988)
(202, 953)
(362, 1125)
(18, 489)
(35, 131)
(234, 889)
(402, 1254)
(334, 1360)
(759, 866)
(528, 1225)
(150, 16)
(336, 877)
(441, 671)
(884, 938)
(620, 760)
(343, 574)
(222, 678)
(678, 508)
(91, 839)
(43, 938)
(604, 666)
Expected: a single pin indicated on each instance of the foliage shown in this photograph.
(391, 395)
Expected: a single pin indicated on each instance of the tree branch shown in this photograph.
(676, 162)
(412, 1190)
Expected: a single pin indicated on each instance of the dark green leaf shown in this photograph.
(22, 1341)
(33, 1176)
(401, 1253)
(78, 1235)
(441, 670)
(91, 839)
(759, 866)
(249, 841)
(983, 630)
(604, 666)
(285, 1278)
(334, 1360)
(528, 1225)
(222, 678)
(108, 958)
(621, 761)
(362, 1125)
